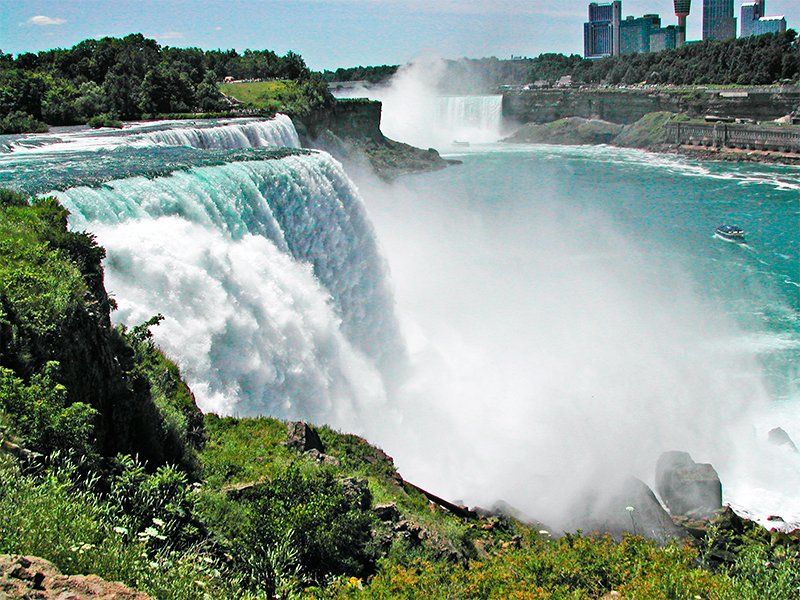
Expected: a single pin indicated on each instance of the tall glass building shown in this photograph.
(718, 20)
(601, 33)
(753, 21)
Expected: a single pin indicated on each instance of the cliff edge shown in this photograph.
(350, 131)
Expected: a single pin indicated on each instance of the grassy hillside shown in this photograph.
(288, 95)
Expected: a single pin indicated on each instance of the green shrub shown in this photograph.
(304, 528)
(48, 516)
(21, 122)
(104, 120)
(41, 415)
(157, 507)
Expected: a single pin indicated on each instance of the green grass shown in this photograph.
(292, 96)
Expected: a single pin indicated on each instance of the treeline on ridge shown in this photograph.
(128, 78)
(758, 60)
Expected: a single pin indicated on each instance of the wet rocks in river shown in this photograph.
(687, 487)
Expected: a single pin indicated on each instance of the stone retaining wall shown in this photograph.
(733, 135)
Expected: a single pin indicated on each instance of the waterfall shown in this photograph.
(205, 134)
(268, 274)
(279, 131)
(471, 118)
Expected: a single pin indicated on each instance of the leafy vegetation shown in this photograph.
(759, 60)
(371, 74)
(114, 79)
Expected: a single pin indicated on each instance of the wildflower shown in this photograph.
(121, 530)
(355, 582)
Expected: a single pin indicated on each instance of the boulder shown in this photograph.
(633, 509)
(387, 512)
(357, 490)
(686, 487)
(27, 577)
(779, 437)
(301, 436)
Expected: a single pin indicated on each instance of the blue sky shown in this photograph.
(332, 33)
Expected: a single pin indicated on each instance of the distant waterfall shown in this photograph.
(268, 273)
(471, 118)
(426, 120)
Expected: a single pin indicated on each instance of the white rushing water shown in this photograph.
(415, 112)
(227, 134)
(268, 273)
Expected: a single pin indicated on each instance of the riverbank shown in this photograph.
(732, 154)
(651, 132)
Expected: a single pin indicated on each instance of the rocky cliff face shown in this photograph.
(28, 577)
(142, 406)
(357, 118)
(350, 130)
(627, 106)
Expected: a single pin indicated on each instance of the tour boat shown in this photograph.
(730, 233)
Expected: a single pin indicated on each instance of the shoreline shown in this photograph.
(731, 154)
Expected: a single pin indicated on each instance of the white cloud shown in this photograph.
(43, 21)
(171, 35)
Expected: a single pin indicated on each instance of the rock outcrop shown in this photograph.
(302, 437)
(686, 487)
(350, 131)
(29, 577)
(569, 131)
(779, 437)
(625, 106)
(634, 509)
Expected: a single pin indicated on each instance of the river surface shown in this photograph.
(530, 323)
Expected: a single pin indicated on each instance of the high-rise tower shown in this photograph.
(718, 20)
(681, 11)
(601, 33)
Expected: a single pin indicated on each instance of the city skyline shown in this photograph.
(607, 33)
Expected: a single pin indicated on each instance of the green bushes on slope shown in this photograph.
(67, 374)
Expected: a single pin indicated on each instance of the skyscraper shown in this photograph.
(718, 20)
(753, 21)
(634, 34)
(601, 33)
(682, 8)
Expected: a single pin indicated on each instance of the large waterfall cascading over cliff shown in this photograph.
(269, 277)
(563, 322)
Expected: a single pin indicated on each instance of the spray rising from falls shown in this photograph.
(269, 276)
(470, 118)
(416, 112)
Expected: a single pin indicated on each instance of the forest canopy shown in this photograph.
(126, 78)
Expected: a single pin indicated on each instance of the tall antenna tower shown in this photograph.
(682, 11)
